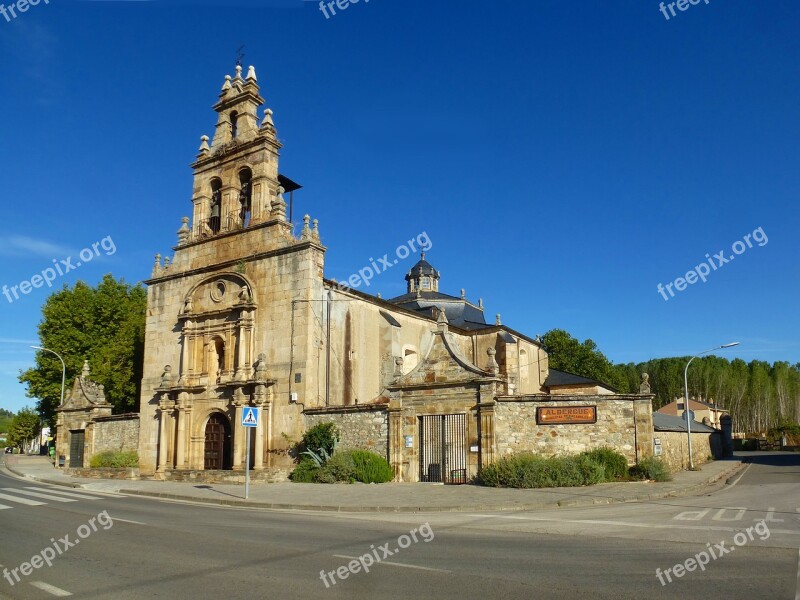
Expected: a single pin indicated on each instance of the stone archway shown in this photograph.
(218, 450)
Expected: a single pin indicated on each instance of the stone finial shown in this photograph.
(379, 296)
(85, 372)
(227, 85)
(497, 319)
(166, 262)
(251, 73)
(157, 265)
(480, 303)
(204, 147)
(463, 294)
(644, 387)
(268, 123)
(238, 72)
(279, 204)
(315, 230)
(492, 365)
(306, 234)
(419, 293)
(187, 306)
(245, 297)
(184, 232)
(398, 366)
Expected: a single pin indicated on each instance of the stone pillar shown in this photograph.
(486, 433)
(180, 450)
(396, 442)
(238, 435)
(163, 440)
(258, 462)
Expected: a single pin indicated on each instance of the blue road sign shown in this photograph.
(250, 417)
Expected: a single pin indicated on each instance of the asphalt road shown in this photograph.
(163, 549)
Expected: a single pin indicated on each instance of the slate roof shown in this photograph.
(557, 378)
(662, 422)
(458, 311)
(423, 267)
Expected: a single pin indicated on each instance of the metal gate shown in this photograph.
(77, 439)
(443, 448)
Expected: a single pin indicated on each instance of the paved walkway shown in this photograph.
(387, 497)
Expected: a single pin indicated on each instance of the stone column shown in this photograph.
(238, 435)
(486, 433)
(396, 441)
(180, 451)
(162, 437)
(258, 462)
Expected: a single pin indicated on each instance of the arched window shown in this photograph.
(234, 124)
(245, 196)
(216, 205)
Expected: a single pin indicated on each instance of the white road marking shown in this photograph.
(395, 564)
(739, 478)
(115, 519)
(50, 589)
(628, 524)
(797, 595)
(2, 506)
(70, 494)
(38, 495)
(21, 500)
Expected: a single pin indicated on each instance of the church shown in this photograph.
(242, 315)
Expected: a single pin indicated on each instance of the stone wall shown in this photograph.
(116, 434)
(675, 448)
(621, 424)
(360, 427)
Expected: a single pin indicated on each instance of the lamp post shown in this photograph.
(686, 411)
(63, 369)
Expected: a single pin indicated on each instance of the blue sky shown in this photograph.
(564, 157)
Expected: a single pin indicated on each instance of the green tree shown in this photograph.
(102, 324)
(24, 429)
(582, 358)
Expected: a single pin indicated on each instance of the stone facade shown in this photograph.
(675, 448)
(360, 427)
(621, 424)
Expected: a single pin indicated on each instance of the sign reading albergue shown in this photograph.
(565, 415)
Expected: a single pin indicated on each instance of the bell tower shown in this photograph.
(236, 182)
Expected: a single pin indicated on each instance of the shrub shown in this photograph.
(527, 470)
(322, 435)
(371, 467)
(339, 468)
(114, 460)
(651, 467)
(614, 463)
(305, 472)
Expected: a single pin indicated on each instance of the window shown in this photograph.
(234, 124)
(245, 196)
(216, 205)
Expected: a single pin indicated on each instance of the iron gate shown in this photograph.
(443, 448)
(77, 439)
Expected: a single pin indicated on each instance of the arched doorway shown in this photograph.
(218, 455)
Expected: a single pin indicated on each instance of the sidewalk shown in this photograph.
(387, 497)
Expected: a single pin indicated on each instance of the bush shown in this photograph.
(614, 463)
(371, 467)
(322, 435)
(305, 472)
(114, 460)
(527, 470)
(339, 468)
(651, 467)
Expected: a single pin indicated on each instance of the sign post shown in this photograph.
(249, 420)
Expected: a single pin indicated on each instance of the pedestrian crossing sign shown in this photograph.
(250, 417)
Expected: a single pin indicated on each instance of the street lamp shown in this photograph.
(686, 411)
(63, 369)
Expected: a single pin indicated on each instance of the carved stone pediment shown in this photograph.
(218, 294)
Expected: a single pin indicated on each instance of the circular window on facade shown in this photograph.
(217, 291)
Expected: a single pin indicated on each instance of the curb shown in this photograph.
(727, 475)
